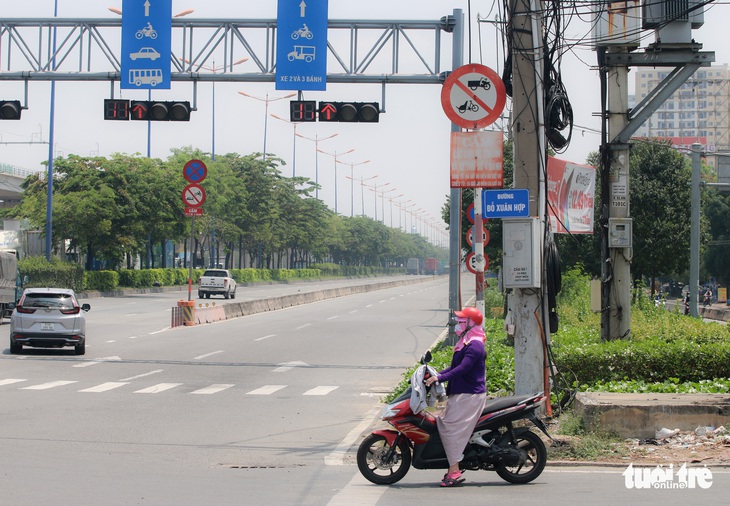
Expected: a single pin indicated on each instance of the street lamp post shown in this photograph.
(266, 100)
(362, 192)
(352, 185)
(316, 141)
(336, 155)
(294, 148)
(374, 189)
(382, 201)
(391, 199)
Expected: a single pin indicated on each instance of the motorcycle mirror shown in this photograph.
(426, 357)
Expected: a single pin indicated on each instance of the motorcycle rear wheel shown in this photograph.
(371, 460)
(533, 458)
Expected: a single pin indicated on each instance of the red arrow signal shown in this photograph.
(139, 110)
(327, 111)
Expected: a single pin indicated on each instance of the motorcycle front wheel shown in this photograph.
(376, 466)
(532, 456)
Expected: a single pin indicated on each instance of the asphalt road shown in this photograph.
(266, 409)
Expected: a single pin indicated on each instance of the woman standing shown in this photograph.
(466, 390)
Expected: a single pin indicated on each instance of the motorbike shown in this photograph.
(147, 31)
(517, 454)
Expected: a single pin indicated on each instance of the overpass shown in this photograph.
(11, 178)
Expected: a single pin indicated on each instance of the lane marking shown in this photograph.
(303, 326)
(358, 491)
(156, 389)
(50, 384)
(142, 375)
(97, 361)
(111, 385)
(287, 366)
(266, 390)
(111, 341)
(337, 457)
(10, 381)
(208, 354)
(333, 317)
(159, 331)
(321, 390)
(265, 337)
(212, 389)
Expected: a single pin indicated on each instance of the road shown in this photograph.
(263, 409)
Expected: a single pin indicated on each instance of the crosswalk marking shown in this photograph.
(156, 389)
(321, 390)
(213, 389)
(266, 390)
(10, 381)
(50, 384)
(111, 385)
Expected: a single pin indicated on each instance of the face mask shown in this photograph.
(460, 326)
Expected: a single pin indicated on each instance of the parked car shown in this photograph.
(48, 318)
(217, 282)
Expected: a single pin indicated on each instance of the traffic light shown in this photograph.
(116, 109)
(159, 111)
(10, 109)
(349, 112)
(302, 110)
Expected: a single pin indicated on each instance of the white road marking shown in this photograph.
(337, 457)
(159, 331)
(287, 366)
(50, 384)
(142, 375)
(266, 390)
(212, 389)
(133, 337)
(156, 389)
(265, 337)
(333, 317)
(208, 354)
(369, 305)
(303, 326)
(112, 341)
(358, 491)
(10, 381)
(354, 311)
(321, 390)
(97, 361)
(111, 385)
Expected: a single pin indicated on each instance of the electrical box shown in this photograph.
(521, 265)
(617, 24)
(619, 232)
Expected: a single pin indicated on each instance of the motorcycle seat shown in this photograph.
(503, 403)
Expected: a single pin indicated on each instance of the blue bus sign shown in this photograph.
(301, 53)
(506, 203)
(146, 44)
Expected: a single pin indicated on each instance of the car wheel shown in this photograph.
(15, 348)
(233, 295)
(80, 349)
(200, 295)
(227, 295)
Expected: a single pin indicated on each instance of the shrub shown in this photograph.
(103, 281)
(54, 274)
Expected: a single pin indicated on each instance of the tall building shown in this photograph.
(699, 111)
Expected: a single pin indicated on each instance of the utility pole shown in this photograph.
(529, 162)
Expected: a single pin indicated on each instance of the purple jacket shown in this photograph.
(467, 371)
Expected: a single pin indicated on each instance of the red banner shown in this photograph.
(571, 192)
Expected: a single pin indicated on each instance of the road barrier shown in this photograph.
(188, 309)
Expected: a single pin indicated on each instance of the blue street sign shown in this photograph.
(506, 203)
(146, 44)
(301, 53)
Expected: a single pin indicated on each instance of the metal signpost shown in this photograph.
(146, 44)
(301, 54)
(193, 197)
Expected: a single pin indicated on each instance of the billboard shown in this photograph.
(571, 194)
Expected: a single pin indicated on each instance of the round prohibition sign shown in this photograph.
(195, 171)
(193, 195)
(473, 96)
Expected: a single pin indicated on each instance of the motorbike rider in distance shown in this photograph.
(466, 390)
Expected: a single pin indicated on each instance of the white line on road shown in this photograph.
(10, 381)
(159, 331)
(112, 341)
(156, 389)
(212, 389)
(358, 491)
(208, 354)
(337, 457)
(265, 337)
(105, 386)
(321, 390)
(142, 375)
(333, 317)
(266, 390)
(303, 326)
(50, 384)
(97, 361)
(287, 366)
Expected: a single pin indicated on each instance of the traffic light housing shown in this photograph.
(159, 111)
(10, 109)
(116, 109)
(349, 112)
(302, 110)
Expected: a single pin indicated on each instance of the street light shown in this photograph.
(362, 191)
(335, 155)
(294, 148)
(374, 188)
(214, 69)
(352, 185)
(391, 199)
(266, 100)
(382, 201)
(316, 141)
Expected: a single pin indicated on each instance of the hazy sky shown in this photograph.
(408, 149)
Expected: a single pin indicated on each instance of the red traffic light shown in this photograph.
(160, 111)
(10, 109)
(349, 112)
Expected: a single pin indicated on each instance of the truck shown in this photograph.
(10, 284)
(217, 282)
(413, 266)
(430, 266)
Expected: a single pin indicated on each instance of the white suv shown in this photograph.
(48, 318)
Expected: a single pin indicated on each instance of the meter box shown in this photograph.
(521, 249)
(619, 232)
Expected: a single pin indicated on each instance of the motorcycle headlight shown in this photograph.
(389, 411)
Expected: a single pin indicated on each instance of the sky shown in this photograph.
(406, 154)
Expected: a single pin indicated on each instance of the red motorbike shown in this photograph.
(517, 454)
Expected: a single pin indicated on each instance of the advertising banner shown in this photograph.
(477, 159)
(571, 193)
